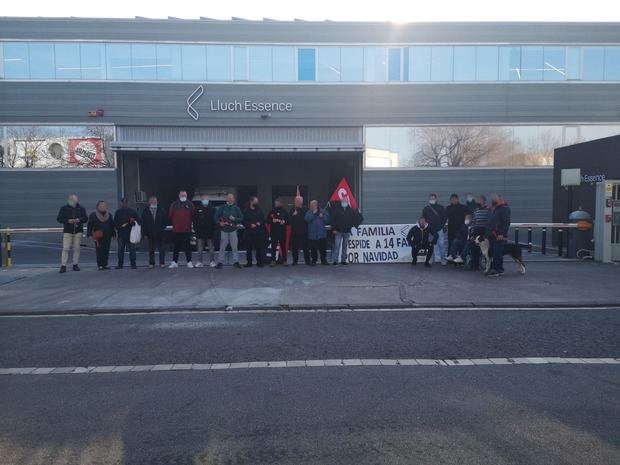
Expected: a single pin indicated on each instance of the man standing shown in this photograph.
(255, 237)
(436, 217)
(204, 227)
(72, 216)
(181, 215)
(480, 222)
(299, 231)
(124, 219)
(344, 218)
(420, 238)
(229, 217)
(317, 218)
(455, 217)
(471, 203)
(499, 224)
(154, 222)
(278, 218)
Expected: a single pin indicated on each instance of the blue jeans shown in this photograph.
(124, 242)
(497, 249)
(340, 243)
(440, 247)
(457, 248)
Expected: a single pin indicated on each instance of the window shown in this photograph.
(509, 63)
(328, 64)
(194, 62)
(169, 62)
(441, 63)
(67, 61)
(16, 61)
(375, 64)
(532, 63)
(486, 63)
(464, 63)
(218, 63)
(612, 63)
(240, 63)
(394, 64)
(306, 64)
(260, 63)
(118, 59)
(554, 63)
(593, 64)
(352, 64)
(42, 60)
(420, 64)
(92, 61)
(283, 64)
(573, 63)
(143, 62)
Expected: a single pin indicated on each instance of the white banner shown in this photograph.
(379, 243)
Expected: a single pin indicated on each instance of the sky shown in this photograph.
(342, 10)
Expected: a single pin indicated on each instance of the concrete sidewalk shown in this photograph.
(39, 290)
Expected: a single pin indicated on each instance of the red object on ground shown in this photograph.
(343, 191)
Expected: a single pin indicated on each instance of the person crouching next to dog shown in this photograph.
(462, 243)
(420, 237)
(499, 224)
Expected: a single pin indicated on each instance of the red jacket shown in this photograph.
(181, 215)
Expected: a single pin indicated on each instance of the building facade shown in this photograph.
(112, 107)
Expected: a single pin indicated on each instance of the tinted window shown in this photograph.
(306, 64)
(92, 59)
(143, 62)
(375, 64)
(593, 63)
(42, 61)
(464, 63)
(194, 62)
(240, 61)
(573, 63)
(420, 64)
(509, 63)
(260, 64)
(532, 63)
(486, 63)
(394, 64)
(67, 61)
(554, 63)
(441, 63)
(16, 61)
(612, 63)
(352, 64)
(118, 59)
(218, 63)
(169, 62)
(328, 64)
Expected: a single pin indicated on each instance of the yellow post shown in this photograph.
(7, 245)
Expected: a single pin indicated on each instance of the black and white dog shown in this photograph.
(514, 250)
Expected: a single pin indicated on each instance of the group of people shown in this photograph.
(466, 225)
(308, 232)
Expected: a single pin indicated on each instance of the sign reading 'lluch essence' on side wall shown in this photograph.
(379, 243)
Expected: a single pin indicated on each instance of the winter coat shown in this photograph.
(499, 221)
(418, 237)
(154, 227)
(123, 220)
(299, 227)
(343, 219)
(316, 224)
(223, 214)
(435, 215)
(181, 215)
(455, 216)
(204, 223)
(278, 214)
(95, 224)
(254, 216)
(480, 220)
(67, 213)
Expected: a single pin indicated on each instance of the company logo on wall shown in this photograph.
(235, 105)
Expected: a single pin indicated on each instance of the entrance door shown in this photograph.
(288, 193)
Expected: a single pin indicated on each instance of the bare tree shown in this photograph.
(106, 135)
(27, 147)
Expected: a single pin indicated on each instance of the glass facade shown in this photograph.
(56, 147)
(291, 63)
(470, 146)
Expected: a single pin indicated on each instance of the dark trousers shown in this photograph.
(475, 249)
(278, 237)
(415, 250)
(451, 237)
(156, 243)
(103, 250)
(255, 242)
(125, 243)
(497, 252)
(297, 242)
(319, 245)
(181, 244)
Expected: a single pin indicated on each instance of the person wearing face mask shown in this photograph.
(278, 219)
(420, 238)
(124, 219)
(343, 219)
(101, 229)
(435, 214)
(229, 218)
(480, 222)
(455, 216)
(72, 216)
(181, 215)
(204, 227)
(317, 218)
(460, 245)
(255, 234)
(154, 222)
(499, 224)
(299, 231)
(471, 203)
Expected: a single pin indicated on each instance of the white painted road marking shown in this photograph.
(476, 362)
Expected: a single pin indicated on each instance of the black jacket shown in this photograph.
(67, 213)
(204, 222)
(343, 219)
(94, 224)
(281, 214)
(435, 215)
(471, 207)
(299, 227)
(252, 216)
(418, 237)
(122, 220)
(455, 216)
(463, 233)
(499, 221)
(154, 227)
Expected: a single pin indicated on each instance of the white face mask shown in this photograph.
(469, 199)
(432, 201)
(467, 221)
(182, 198)
(153, 205)
(344, 204)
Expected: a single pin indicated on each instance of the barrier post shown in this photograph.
(544, 241)
(8, 249)
(560, 241)
(529, 240)
(516, 235)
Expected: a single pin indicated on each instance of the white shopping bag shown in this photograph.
(135, 236)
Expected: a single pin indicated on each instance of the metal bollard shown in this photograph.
(516, 235)
(544, 241)
(560, 241)
(529, 240)
(7, 245)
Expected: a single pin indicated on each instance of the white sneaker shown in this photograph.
(190, 265)
(444, 263)
(198, 265)
(449, 258)
(212, 264)
(459, 260)
(173, 265)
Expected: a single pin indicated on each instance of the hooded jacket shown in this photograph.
(499, 221)
(419, 236)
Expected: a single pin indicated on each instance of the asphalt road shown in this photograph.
(489, 414)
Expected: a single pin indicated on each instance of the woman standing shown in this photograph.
(101, 229)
